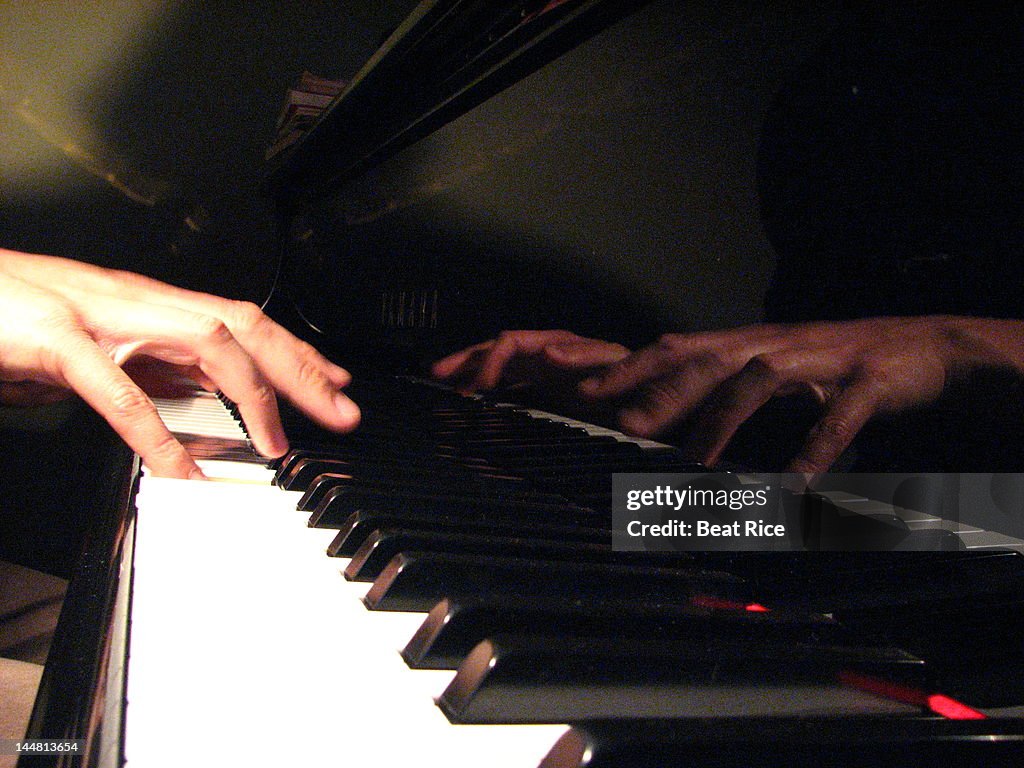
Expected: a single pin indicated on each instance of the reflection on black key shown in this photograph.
(788, 742)
(455, 625)
(515, 679)
(361, 524)
(415, 581)
(357, 482)
(382, 545)
(897, 579)
(339, 504)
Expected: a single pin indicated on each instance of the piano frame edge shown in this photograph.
(82, 687)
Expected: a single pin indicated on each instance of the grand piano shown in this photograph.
(430, 208)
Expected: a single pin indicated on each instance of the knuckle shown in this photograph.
(512, 339)
(130, 403)
(307, 374)
(709, 360)
(764, 367)
(265, 395)
(667, 392)
(669, 342)
(611, 346)
(212, 329)
(246, 316)
(835, 428)
(872, 369)
(165, 449)
(60, 341)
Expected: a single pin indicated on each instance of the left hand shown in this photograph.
(72, 327)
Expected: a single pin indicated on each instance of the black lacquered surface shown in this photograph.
(498, 525)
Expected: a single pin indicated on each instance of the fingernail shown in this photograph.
(197, 474)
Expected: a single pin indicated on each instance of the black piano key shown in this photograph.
(855, 742)
(974, 647)
(361, 524)
(384, 544)
(536, 432)
(340, 503)
(297, 474)
(400, 482)
(527, 439)
(826, 526)
(513, 455)
(897, 579)
(456, 625)
(520, 679)
(416, 581)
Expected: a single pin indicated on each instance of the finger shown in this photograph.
(86, 369)
(584, 355)
(737, 399)
(629, 373)
(293, 367)
(845, 417)
(455, 363)
(181, 337)
(669, 399)
(512, 344)
(223, 360)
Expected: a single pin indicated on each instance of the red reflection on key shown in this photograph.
(937, 703)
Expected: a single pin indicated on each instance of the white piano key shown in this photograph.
(980, 539)
(248, 646)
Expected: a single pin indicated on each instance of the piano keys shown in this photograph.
(243, 625)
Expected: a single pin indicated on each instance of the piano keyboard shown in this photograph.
(248, 645)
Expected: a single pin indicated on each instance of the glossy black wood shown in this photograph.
(415, 581)
(75, 690)
(865, 742)
(522, 679)
(456, 625)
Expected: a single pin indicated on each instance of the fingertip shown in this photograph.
(441, 369)
(796, 481)
(348, 411)
(805, 468)
(275, 448)
(562, 355)
(590, 387)
(181, 466)
(636, 422)
(339, 376)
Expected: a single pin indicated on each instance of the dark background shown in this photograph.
(653, 137)
(181, 99)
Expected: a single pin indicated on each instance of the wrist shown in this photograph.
(974, 343)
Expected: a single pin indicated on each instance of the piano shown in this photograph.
(207, 625)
